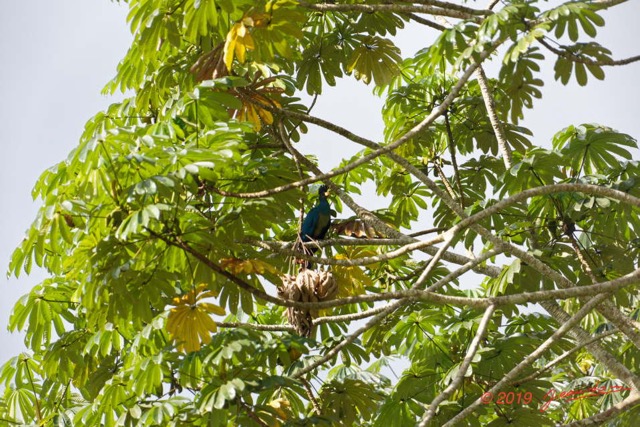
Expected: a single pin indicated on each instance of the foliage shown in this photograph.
(172, 212)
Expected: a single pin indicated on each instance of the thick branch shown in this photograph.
(256, 326)
(531, 358)
(599, 419)
(496, 124)
(407, 248)
(462, 370)
(608, 309)
(450, 10)
(448, 5)
(563, 356)
(603, 356)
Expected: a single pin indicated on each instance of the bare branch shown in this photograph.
(603, 356)
(462, 370)
(449, 5)
(407, 248)
(608, 309)
(426, 22)
(450, 10)
(311, 396)
(566, 54)
(255, 326)
(599, 419)
(496, 124)
(563, 356)
(531, 358)
(603, 4)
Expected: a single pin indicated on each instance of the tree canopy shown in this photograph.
(176, 288)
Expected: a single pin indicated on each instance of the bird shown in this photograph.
(317, 222)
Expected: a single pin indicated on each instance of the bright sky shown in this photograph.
(55, 57)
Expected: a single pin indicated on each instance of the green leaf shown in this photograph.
(375, 58)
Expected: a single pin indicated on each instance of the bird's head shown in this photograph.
(323, 191)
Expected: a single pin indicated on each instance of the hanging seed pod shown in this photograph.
(326, 286)
(306, 281)
(307, 286)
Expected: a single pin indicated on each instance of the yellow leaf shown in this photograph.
(189, 322)
(282, 407)
(237, 43)
(212, 308)
(352, 280)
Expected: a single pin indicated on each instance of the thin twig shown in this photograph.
(311, 396)
(454, 161)
(573, 57)
(426, 22)
(250, 412)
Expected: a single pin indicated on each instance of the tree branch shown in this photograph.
(462, 370)
(450, 10)
(599, 419)
(531, 358)
(256, 326)
(603, 356)
(563, 356)
(564, 53)
(454, 161)
(426, 22)
(496, 124)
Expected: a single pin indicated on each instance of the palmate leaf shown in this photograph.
(353, 280)
(395, 413)
(320, 63)
(499, 285)
(525, 416)
(255, 97)
(43, 308)
(418, 382)
(375, 58)
(277, 35)
(215, 395)
(349, 401)
(21, 404)
(379, 23)
(269, 32)
(577, 62)
(200, 18)
(538, 167)
(566, 18)
(189, 322)
(238, 41)
(518, 82)
(593, 149)
(446, 49)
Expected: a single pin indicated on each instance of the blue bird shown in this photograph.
(317, 222)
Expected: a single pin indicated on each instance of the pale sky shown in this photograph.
(55, 57)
